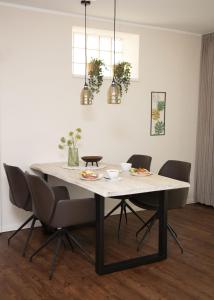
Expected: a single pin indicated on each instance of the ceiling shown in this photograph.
(195, 16)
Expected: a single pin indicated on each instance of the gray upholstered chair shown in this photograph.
(175, 169)
(137, 161)
(56, 210)
(20, 197)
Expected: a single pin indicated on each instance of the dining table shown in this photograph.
(125, 184)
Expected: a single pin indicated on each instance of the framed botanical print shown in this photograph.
(158, 112)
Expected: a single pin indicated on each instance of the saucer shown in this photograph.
(113, 179)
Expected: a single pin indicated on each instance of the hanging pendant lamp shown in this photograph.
(114, 90)
(86, 95)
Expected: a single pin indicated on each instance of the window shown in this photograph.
(100, 44)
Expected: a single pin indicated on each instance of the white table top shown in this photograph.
(127, 184)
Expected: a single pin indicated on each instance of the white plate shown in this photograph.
(141, 175)
(94, 179)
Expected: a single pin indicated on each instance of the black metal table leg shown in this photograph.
(99, 264)
(102, 268)
(45, 177)
(163, 224)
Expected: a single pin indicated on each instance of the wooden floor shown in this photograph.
(187, 276)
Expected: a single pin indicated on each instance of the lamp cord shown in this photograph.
(114, 35)
(85, 45)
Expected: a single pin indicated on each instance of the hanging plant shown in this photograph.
(122, 76)
(95, 75)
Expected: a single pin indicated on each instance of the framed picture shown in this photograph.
(158, 111)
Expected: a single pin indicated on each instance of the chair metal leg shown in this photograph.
(125, 213)
(172, 229)
(116, 207)
(25, 223)
(53, 236)
(146, 233)
(56, 252)
(63, 242)
(146, 224)
(134, 212)
(69, 241)
(175, 238)
(118, 230)
(123, 204)
(29, 236)
(73, 239)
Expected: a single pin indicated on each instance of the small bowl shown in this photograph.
(126, 166)
(91, 159)
(113, 173)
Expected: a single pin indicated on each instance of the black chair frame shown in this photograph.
(60, 235)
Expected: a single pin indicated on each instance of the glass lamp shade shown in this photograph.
(114, 93)
(86, 96)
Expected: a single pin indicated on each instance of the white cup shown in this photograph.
(112, 174)
(126, 166)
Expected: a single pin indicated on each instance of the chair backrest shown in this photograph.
(140, 161)
(19, 191)
(179, 170)
(43, 198)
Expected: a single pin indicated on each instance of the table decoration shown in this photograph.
(91, 159)
(71, 144)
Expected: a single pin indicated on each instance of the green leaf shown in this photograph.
(161, 105)
(159, 127)
(71, 133)
(69, 143)
(60, 146)
(79, 130)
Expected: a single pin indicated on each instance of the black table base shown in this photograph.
(102, 268)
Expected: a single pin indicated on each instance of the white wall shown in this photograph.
(40, 98)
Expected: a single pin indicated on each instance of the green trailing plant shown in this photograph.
(95, 75)
(72, 139)
(122, 76)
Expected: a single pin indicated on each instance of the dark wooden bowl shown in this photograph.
(91, 159)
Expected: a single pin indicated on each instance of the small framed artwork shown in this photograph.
(158, 111)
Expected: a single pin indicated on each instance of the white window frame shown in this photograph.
(121, 36)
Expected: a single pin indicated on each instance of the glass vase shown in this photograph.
(73, 157)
